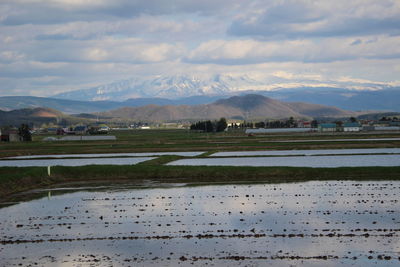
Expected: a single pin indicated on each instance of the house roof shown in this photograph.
(327, 125)
(80, 128)
(351, 124)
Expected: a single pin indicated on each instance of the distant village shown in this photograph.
(24, 132)
(349, 125)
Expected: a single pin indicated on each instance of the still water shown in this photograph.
(302, 224)
(107, 155)
(309, 152)
(72, 162)
(296, 161)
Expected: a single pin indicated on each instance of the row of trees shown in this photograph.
(210, 126)
(289, 123)
(390, 119)
(25, 132)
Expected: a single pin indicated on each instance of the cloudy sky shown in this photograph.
(53, 46)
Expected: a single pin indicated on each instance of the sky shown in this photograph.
(53, 46)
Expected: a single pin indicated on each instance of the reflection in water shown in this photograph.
(312, 223)
(309, 152)
(107, 155)
(71, 162)
(296, 161)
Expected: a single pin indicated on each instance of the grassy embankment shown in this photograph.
(14, 180)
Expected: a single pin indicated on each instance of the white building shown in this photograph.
(351, 127)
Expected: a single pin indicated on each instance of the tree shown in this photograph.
(260, 124)
(314, 123)
(221, 125)
(24, 132)
(339, 123)
(352, 119)
(291, 122)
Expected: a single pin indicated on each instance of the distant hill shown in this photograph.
(250, 106)
(355, 100)
(315, 110)
(378, 116)
(8, 103)
(36, 117)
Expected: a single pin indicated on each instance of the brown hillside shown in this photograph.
(246, 107)
(315, 110)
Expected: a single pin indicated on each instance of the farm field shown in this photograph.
(130, 141)
(329, 223)
(150, 212)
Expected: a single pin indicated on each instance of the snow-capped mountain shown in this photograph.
(177, 86)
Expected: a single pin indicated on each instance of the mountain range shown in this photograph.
(205, 89)
(360, 95)
(247, 107)
(171, 87)
(382, 100)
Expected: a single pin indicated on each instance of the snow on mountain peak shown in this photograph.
(175, 86)
(200, 84)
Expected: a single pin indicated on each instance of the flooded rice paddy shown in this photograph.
(108, 155)
(72, 162)
(300, 224)
(309, 152)
(327, 158)
(333, 140)
(296, 161)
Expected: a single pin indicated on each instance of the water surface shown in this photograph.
(105, 155)
(301, 224)
(332, 140)
(308, 152)
(72, 162)
(296, 161)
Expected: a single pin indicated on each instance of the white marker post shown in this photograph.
(48, 170)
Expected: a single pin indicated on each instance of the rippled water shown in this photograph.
(302, 161)
(302, 224)
(72, 162)
(309, 152)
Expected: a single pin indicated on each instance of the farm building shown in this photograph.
(351, 127)
(327, 127)
(10, 135)
(80, 129)
(304, 124)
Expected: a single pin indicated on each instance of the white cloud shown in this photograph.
(11, 56)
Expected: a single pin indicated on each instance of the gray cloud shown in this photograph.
(306, 19)
(51, 11)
